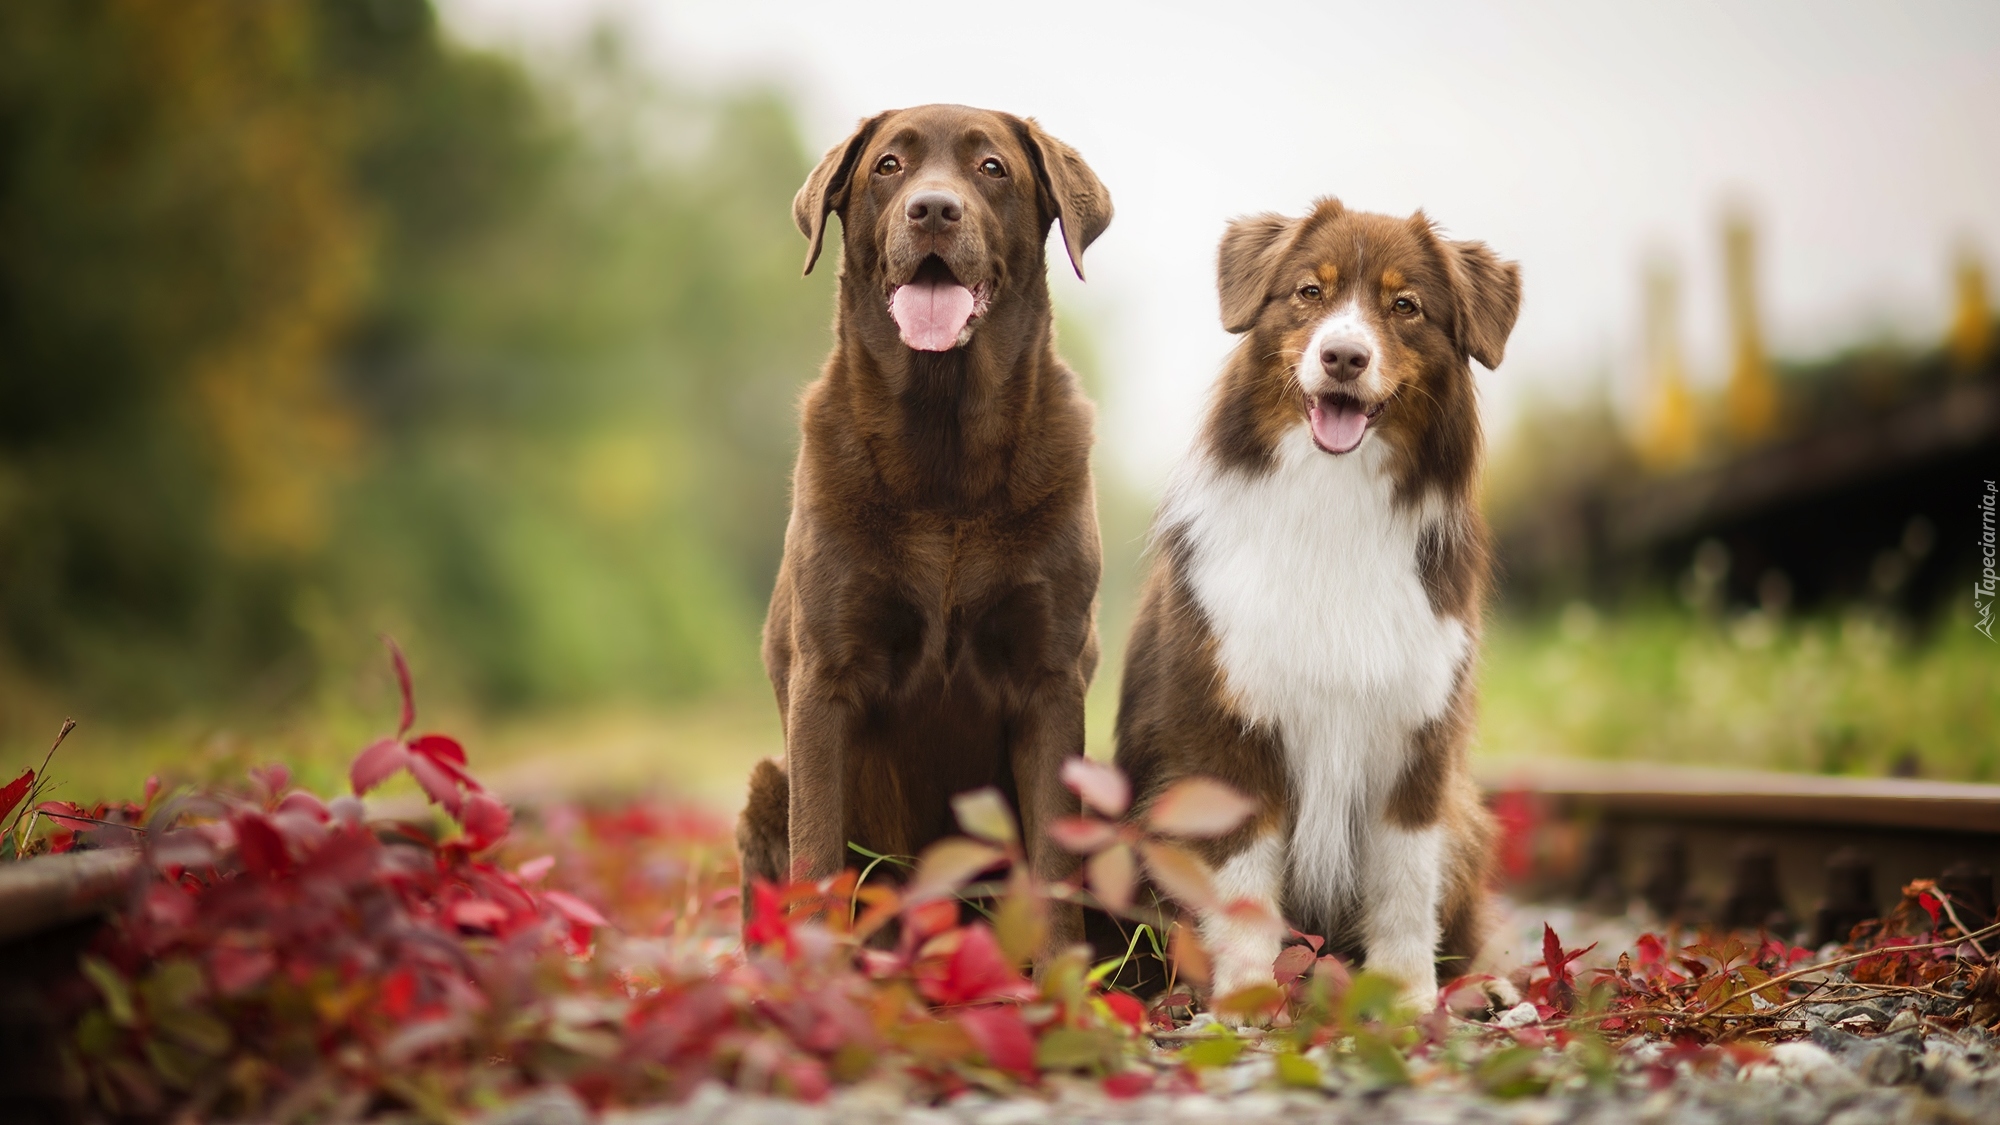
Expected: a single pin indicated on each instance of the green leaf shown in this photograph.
(1069, 1048)
(983, 813)
(176, 1065)
(1298, 1070)
(172, 984)
(1219, 1051)
(1371, 996)
(195, 1029)
(1380, 1058)
(96, 1035)
(117, 994)
(1510, 1073)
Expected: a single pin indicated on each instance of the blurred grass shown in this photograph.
(1852, 694)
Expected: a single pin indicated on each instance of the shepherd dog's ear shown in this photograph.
(1246, 265)
(825, 190)
(1488, 292)
(1070, 191)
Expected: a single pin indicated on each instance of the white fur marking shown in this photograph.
(1402, 876)
(1344, 323)
(1308, 576)
(1243, 951)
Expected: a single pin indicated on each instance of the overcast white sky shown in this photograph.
(1580, 138)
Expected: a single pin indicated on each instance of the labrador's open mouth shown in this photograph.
(934, 311)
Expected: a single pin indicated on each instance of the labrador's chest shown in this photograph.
(1308, 577)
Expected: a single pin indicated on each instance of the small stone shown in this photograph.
(553, 1105)
(1520, 1015)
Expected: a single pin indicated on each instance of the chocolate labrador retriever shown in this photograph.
(932, 629)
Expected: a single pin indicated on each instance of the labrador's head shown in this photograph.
(944, 211)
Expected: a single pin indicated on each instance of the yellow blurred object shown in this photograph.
(1668, 435)
(1752, 397)
(620, 478)
(292, 253)
(1971, 340)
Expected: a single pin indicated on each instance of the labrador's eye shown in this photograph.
(888, 166)
(993, 168)
(1404, 306)
(1309, 292)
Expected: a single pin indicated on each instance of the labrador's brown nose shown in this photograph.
(1344, 360)
(934, 210)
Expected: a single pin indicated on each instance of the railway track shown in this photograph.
(1801, 854)
(1729, 846)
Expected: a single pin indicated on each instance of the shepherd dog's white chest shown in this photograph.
(1308, 577)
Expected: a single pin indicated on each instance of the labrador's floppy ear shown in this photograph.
(1070, 190)
(1488, 293)
(825, 189)
(1246, 263)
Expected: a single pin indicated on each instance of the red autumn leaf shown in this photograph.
(1082, 835)
(272, 777)
(1652, 950)
(948, 865)
(1552, 955)
(477, 914)
(1520, 816)
(532, 871)
(768, 924)
(1127, 1008)
(486, 820)
(1931, 907)
(260, 845)
(1201, 807)
(15, 790)
(398, 994)
(1128, 1083)
(574, 909)
(402, 667)
(1180, 874)
(1112, 876)
(437, 783)
(377, 763)
(1293, 962)
(152, 791)
(443, 748)
(977, 970)
(933, 917)
(1003, 1037)
(236, 969)
(1102, 787)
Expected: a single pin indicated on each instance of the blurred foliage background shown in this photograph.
(316, 325)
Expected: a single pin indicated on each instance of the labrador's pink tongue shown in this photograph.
(1338, 426)
(931, 314)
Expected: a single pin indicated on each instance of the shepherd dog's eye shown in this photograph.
(888, 166)
(1309, 292)
(1404, 306)
(993, 168)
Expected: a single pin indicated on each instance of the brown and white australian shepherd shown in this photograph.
(1311, 622)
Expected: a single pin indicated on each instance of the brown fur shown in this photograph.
(1176, 717)
(932, 628)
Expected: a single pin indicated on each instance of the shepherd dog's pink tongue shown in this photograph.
(1338, 426)
(931, 314)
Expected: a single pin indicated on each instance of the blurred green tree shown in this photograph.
(314, 323)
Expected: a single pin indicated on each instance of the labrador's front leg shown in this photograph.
(1049, 731)
(816, 733)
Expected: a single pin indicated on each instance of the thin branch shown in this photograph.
(1713, 1011)
(1945, 900)
(41, 775)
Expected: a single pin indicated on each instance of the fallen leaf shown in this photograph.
(1101, 787)
(1200, 807)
